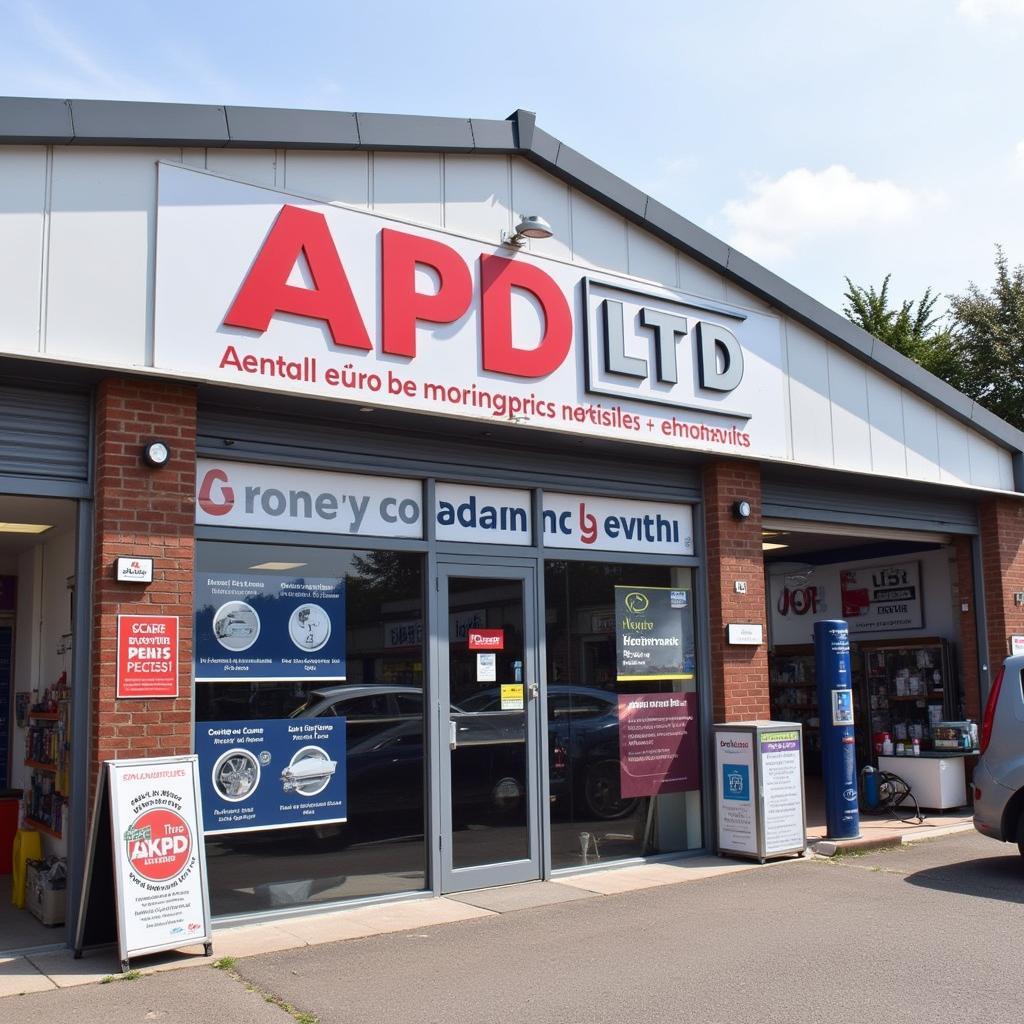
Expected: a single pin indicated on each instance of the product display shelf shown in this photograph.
(47, 754)
(910, 687)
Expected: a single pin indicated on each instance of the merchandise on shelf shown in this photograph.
(48, 754)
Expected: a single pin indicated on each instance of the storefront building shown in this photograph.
(492, 492)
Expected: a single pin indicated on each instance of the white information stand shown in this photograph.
(759, 777)
(147, 856)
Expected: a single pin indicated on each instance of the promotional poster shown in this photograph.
(658, 744)
(654, 634)
(268, 627)
(159, 857)
(272, 773)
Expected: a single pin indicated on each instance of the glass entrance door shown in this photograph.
(489, 686)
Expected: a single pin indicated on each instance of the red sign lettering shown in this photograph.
(486, 639)
(266, 291)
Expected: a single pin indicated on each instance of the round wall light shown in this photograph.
(741, 510)
(156, 454)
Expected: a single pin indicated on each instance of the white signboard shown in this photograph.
(737, 794)
(159, 854)
(306, 500)
(879, 598)
(782, 788)
(483, 515)
(134, 569)
(261, 289)
(1016, 645)
(748, 633)
(617, 524)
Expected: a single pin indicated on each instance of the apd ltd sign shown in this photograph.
(394, 315)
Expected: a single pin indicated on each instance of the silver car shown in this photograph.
(999, 777)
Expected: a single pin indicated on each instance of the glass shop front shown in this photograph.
(387, 715)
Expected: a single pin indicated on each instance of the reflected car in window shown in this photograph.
(583, 738)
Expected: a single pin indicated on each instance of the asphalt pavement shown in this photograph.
(930, 931)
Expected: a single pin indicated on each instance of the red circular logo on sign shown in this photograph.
(159, 844)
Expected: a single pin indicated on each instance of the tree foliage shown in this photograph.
(989, 332)
(978, 347)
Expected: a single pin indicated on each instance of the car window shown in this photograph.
(409, 704)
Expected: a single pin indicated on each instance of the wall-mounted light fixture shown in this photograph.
(741, 510)
(528, 227)
(156, 454)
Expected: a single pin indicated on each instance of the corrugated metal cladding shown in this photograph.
(290, 440)
(869, 506)
(44, 434)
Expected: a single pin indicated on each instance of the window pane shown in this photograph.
(381, 848)
(591, 820)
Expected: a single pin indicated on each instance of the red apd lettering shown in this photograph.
(402, 305)
(159, 844)
(498, 276)
(266, 291)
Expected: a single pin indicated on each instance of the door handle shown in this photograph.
(534, 691)
(453, 736)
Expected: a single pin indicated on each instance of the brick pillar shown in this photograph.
(1002, 566)
(142, 511)
(739, 675)
(968, 628)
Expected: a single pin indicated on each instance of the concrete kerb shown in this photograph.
(38, 972)
(838, 847)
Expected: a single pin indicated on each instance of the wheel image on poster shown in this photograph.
(236, 774)
(309, 627)
(236, 625)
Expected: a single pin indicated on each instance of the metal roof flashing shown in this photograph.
(33, 121)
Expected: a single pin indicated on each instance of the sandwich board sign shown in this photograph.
(147, 856)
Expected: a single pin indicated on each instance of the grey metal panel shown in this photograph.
(492, 136)
(34, 121)
(544, 147)
(44, 434)
(294, 129)
(161, 124)
(601, 184)
(855, 503)
(406, 132)
(678, 231)
(922, 382)
(327, 445)
(525, 121)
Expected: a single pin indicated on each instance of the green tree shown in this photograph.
(988, 335)
(912, 329)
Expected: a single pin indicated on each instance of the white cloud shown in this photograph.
(802, 205)
(984, 10)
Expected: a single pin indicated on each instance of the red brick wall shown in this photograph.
(968, 628)
(142, 511)
(739, 675)
(1002, 560)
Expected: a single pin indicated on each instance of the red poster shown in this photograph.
(147, 655)
(487, 639)
(658, 743)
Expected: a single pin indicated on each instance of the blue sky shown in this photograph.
(822, 139)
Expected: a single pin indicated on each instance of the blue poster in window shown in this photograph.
(268, 627)
(272, 773)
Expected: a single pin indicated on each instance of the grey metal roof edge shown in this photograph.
(35, 121)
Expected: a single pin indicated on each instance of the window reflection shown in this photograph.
(591, 820)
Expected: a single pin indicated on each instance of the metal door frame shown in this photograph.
(454, 879)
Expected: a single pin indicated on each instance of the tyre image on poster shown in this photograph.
(267, 627)
(272, 773)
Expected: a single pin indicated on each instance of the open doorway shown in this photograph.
(37, 597)
(898, 591)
